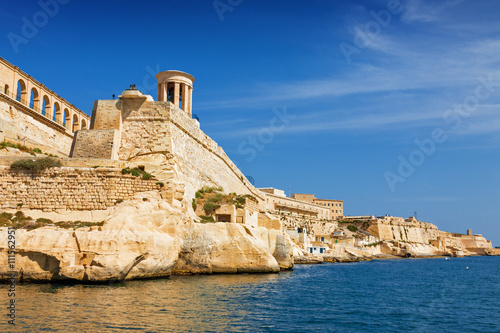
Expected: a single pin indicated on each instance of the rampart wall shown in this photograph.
(96, 144)
(188, 155)
(75, 189)
(418, 232)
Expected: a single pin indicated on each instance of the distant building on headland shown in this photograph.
(303, 204)
(335, 207)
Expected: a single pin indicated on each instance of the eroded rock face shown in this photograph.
(144, 238)
(232, 248)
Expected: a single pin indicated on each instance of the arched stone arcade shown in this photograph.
(19, 86)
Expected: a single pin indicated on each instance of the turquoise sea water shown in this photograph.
(415, 295)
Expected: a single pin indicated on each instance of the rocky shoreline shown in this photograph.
(143, 238)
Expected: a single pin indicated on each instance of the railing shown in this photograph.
(19, 98)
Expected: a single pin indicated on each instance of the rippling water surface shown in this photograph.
(418, 295)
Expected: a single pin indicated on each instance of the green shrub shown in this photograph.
(43, 220)
(37, 165)
(146, 176)
(198, 195)
(217, 198)
(206, 219)
(25, 149)
(19, 216)
(210, 189)
(240, 200)
(352, 228)
(194, 204)
(160, 183)
(210, 207)
(136, 172)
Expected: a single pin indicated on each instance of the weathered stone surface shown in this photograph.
(73, 189)
(232, 248)
(145, 238)
(138, 241)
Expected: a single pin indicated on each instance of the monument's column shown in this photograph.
(190, 110)
(176, 93)
(185, 97)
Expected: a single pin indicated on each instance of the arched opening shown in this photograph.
(66, 119)
(76, 123)
(56, 113)
(6, 89)
(84, 124)
(34, 100)
(46, 106)
(21, 91)
(170, 92)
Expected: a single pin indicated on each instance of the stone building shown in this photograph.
(276, 201)
(335, 207)
(34, 115)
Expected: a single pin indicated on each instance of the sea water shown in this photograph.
(416, 295)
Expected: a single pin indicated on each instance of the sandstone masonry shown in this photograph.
(75, 189)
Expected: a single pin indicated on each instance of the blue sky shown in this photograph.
(393, 108)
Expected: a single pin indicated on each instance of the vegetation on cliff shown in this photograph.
(32, 151)
(37, 165)
(138, 173)
(212, 198)
(20, 221)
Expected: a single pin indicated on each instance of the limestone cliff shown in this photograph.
(144, 238)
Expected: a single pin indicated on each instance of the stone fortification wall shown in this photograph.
(21, 125)
(69, 188)
(108, 116)
(418, 232)
(472, 243)
(96, 144)
(188, 155)
(475, 242)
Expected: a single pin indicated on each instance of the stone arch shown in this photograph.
(84, 124)
(35, 100)
(76, 123)
(21, 91)
(46, 106)
(66, 121)
(56, 113)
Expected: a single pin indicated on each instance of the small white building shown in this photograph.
(316, 249)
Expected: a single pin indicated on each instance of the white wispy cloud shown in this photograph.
(427, 11)
(438, 72)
